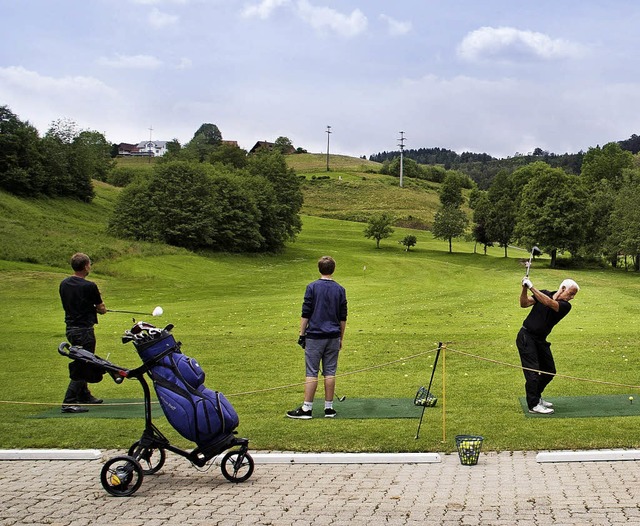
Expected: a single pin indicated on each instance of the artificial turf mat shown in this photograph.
(112, 408)
(350, 408)
(371, 408)
(588, 406)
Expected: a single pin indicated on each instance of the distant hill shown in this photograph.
(317, 162)
(482, 167)
(354, 189)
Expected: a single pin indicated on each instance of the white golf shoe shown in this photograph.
(541, 410)
(544, 403)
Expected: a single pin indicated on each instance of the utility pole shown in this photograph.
(401, 139)
(328, 135)
(150, 135)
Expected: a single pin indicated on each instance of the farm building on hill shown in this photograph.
(269, 146)
(127, 149)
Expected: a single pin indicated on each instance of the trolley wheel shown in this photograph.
(150, 458)
(237, 466)
(121, 476)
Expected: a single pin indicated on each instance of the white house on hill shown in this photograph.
(152, 148)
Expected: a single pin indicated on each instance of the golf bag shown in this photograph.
(199, 414)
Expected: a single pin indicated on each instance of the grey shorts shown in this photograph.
(325, 351)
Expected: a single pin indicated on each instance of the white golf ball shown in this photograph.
(157, 311)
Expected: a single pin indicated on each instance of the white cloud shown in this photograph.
(17, 77)
(131, 62)
(323, 18)
(41, 99)
(507, 43)
(263, 9)
(159, 20)
(396, 27)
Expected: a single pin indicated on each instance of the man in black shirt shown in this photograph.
(548, 308)
(82, 302)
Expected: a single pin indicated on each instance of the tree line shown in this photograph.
(482, 168)
(205, 194)
(591, 216)
(62, 163)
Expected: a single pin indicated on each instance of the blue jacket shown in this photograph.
(325, 306)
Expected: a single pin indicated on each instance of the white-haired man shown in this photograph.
(548, 308)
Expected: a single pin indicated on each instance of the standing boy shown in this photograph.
(322, 325)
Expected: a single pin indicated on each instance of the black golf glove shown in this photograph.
(302, 341)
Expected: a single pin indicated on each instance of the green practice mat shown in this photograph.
(350, 408)
(588, 406)
(112, 408)
(371, 408)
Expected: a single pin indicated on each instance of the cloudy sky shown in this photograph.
(495, 76)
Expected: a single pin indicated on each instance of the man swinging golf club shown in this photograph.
(547, 309)
(82, 303)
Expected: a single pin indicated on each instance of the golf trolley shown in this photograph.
(122, 475)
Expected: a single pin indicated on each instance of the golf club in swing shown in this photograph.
(535, 251)
(340, 398)
(158, 311)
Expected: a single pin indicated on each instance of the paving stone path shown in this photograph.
(503, 489)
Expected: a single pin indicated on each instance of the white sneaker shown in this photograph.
(544, 403)
(540, 409)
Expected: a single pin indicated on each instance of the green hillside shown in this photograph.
(353, 190)
(317, 163)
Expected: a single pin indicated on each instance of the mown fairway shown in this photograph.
(239, 316)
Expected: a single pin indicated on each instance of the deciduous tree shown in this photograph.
(408, 241)
(553, 212)
(449, 222)
(379, 227)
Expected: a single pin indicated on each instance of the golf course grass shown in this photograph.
(239, 316)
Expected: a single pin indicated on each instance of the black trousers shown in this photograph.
(535, 354)
(78, 390)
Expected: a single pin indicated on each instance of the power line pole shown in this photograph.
(150, 136)
(328, 135)
(401, 139)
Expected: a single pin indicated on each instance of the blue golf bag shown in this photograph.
(199, 414)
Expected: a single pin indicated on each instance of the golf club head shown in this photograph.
(535, 251)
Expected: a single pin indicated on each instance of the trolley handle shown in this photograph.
(78, 353)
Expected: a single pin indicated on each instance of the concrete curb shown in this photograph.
(604, 455)
(345, 458)
(50, 454)
(258, 457)
(607, 455)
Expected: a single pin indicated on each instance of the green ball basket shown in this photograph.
(469, 447)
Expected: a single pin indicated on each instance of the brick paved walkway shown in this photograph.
(509, 489)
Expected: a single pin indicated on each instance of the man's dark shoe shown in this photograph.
(300, 414)
(329, 413)
(92, 400)
(74, 409)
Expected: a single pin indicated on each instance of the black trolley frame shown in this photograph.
(122, 475)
